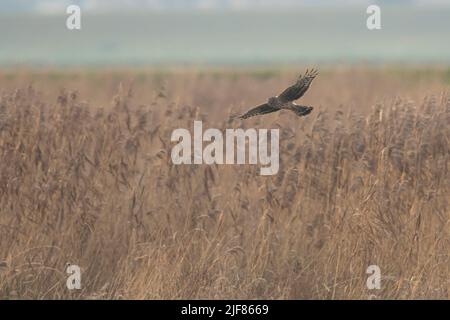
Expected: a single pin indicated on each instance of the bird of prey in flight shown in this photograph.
(286, 99)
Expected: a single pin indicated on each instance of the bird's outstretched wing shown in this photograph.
(261, 109)
(298, 89)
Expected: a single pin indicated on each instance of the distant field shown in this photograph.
(86, 178)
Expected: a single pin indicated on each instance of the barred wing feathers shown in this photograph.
(261, 109)
(297, 90)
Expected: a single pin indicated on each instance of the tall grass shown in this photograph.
(92, 184)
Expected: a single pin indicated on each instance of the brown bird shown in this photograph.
(286, 98)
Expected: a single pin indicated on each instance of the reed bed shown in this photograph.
(364, 180)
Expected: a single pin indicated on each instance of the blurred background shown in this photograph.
(223, 32)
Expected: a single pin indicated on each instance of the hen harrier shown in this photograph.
(286, 98)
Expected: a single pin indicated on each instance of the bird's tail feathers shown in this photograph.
(300, 110)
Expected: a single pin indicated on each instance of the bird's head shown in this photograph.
(273, 102)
